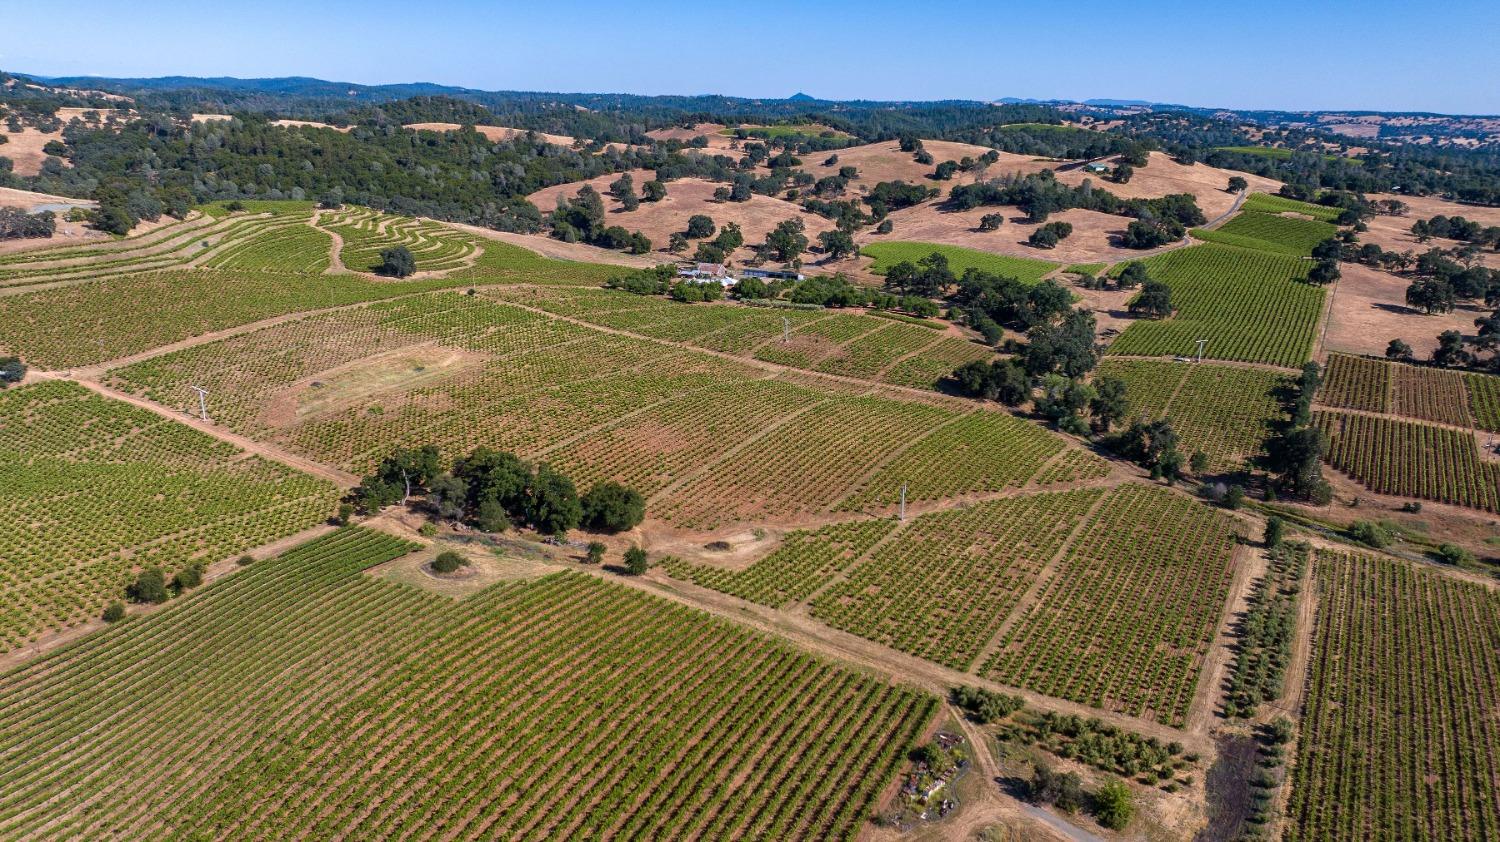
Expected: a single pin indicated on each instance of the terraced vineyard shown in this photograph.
(204, 240)
(942, 587)
(1411, 459)
(1249, 305)
(1125, 621)
(1223, 411)
(1270, 232)
(888, 254)
(96, 489)
(1399, 738)
(302, 696)
(365, 233)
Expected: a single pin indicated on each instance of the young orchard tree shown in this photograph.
(636, 563)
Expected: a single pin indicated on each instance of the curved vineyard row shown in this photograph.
(1399, 738)
(565, 707)
(366, 233)
(96, 489)
(1409, 459)
(1249, 305)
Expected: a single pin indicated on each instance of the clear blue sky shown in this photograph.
(1288, 54)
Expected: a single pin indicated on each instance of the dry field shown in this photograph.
(67, 232)
(885, 161)
(1369, 310)
(493, 132)
(686, 197)
(1089, 243)
(24, 148)
(309, 124)
(1393, 233)
(1162, 176)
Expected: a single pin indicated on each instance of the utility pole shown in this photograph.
(786, 329)
(1201, 343)
(202, 401)
(903, 502)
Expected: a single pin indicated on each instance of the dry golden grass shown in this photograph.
(686, 197)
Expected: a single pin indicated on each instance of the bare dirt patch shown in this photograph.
(1369, 310)
(686, 197)
(398, 371)
(309, 124)
(495, 559)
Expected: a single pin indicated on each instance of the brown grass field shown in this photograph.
(686, 197)
(1369, 310)
(493, 132)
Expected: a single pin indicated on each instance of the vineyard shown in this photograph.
(976, 453)
(804, 563)
(201, 241)
(1461, 399)
(366, 233)
(1251, 306)
(1225, 412)
(841, 344)
(960, 259)
(1269, 232)
(1410, 459)
(1399, 738)
(1125, 621)
(96, 489)
(942, 587)
(1270, 203)
(299, 696)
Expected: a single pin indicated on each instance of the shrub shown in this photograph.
(1369, 534)
(346, 512)
(246, 560)
(1454, 555)
(188, 577)
(448, 561)
(114, 612)
(1113, 806)
(150, 586)
(635, 561)
(491, 517)
(595, 552)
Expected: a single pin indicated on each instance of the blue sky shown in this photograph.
(1311, 54)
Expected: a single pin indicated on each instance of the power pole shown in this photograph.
(202, 401)
(786, 329)
(1201, 343)
(903, 501)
